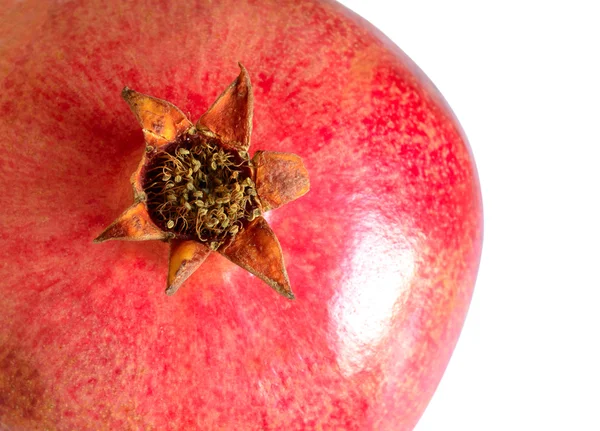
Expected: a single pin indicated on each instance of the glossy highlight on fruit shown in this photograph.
(383, 251)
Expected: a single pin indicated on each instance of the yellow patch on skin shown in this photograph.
(24, 401)
(362, 68)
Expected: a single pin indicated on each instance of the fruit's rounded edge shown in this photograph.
(426, 83)
(404, 61)
(433, 91)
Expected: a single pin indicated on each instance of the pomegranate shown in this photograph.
(381, 253)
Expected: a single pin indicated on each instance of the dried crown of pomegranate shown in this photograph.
(197, 188)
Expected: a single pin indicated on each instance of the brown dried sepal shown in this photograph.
(161, 121)
(257, 250)
(134, 224)
(280, 178)
(230, 116)
(185, 258)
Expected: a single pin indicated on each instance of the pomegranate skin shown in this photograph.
(382, 253)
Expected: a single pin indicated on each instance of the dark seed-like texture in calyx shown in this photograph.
(197, 189)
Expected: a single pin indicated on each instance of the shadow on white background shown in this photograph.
(524, 80)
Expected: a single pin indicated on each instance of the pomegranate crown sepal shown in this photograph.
(197, 188)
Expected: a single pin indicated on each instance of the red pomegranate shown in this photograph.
(381, 253)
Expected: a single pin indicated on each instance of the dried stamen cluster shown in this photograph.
(197, 189)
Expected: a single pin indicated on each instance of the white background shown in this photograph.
(523, 77)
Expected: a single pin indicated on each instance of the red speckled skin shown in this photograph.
(382, 252)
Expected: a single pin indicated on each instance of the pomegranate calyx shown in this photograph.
(197, 188)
